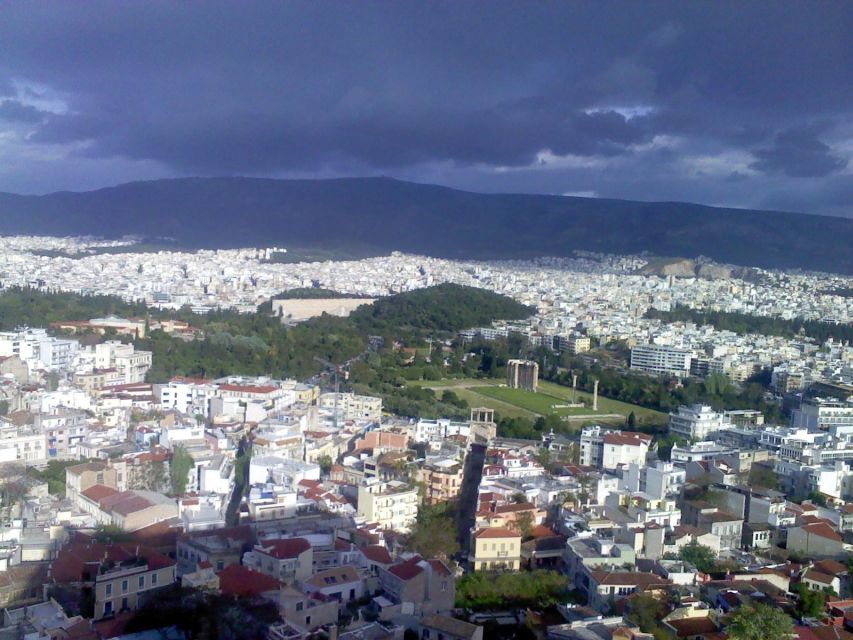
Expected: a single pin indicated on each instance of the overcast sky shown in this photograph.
(732, 103)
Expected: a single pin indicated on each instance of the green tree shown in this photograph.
(179, 469)
(524, 524)
(646, 611)
(763, 476)
(325, 462)
(487, 590)
(810, 603)
(434, 532)
(759, 622)
(700, 556)
(632, 420)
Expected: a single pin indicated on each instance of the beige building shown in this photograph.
(84, 476)
(816, 540)
(352, 407)
(442, 479)
(120, 576)
(391, 505)
(307, 611)
(494, 548)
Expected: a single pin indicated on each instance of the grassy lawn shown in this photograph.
(454, 382)
(487, 392)
(606, 405)
(505, 409)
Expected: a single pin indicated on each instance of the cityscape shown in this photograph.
(426, 321)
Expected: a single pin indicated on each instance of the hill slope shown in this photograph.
(382, 214)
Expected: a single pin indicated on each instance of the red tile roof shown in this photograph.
(98, 492)
(377, 553)
(822, 530)
(408, 569)
(80, 557)
(496, 532)
(286, 549)
(247, 388)
(237, 580)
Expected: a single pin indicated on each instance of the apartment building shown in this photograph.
(351, 406)
(659, 360)
(187, 396)
(391, 505)
(289, 560)
(611, 449)
(120, 576)
(696, 422)
(823, 414)
(22, 442)
(442, 479)
(130, 364)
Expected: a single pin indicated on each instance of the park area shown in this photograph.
(549, 399)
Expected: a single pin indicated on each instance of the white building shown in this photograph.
(351, 406)
(441, 429)
(190, 397)
(823, 414)
(658, 481)
(391, 505)
(39, 350)
(611, 449)
(696, 422)
(283, 471)
(130, 364)
(658, 359)
(699, 452)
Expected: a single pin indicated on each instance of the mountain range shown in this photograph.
(378, 215)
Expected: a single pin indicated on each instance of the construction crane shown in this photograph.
(336, 369)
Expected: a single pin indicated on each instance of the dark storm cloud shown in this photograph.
(648, 100)
(798, 153)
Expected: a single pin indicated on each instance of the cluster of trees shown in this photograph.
(179, 468)
(758, 622)
(54, 474)
(205, 614)
(434, 533)
(485, 590)
(24, 306)
(746, 323)
(255, 344)
(313, 293)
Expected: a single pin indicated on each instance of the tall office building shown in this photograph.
(522, 374)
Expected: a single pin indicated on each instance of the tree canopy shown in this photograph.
(758, 622)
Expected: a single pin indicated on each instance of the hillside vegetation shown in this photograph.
(365, 216)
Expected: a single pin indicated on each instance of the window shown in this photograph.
(124, 586)
(109, 589)
(108, 608)
(142, 582)
(220, 565)
(299, 605)
(124, 606)
(153, 579)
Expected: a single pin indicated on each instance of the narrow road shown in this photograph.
(472, 474)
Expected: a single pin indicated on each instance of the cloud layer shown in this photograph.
(744, 104)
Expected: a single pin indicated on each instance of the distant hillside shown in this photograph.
(374, 215)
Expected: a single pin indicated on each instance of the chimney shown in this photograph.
(333, 632)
